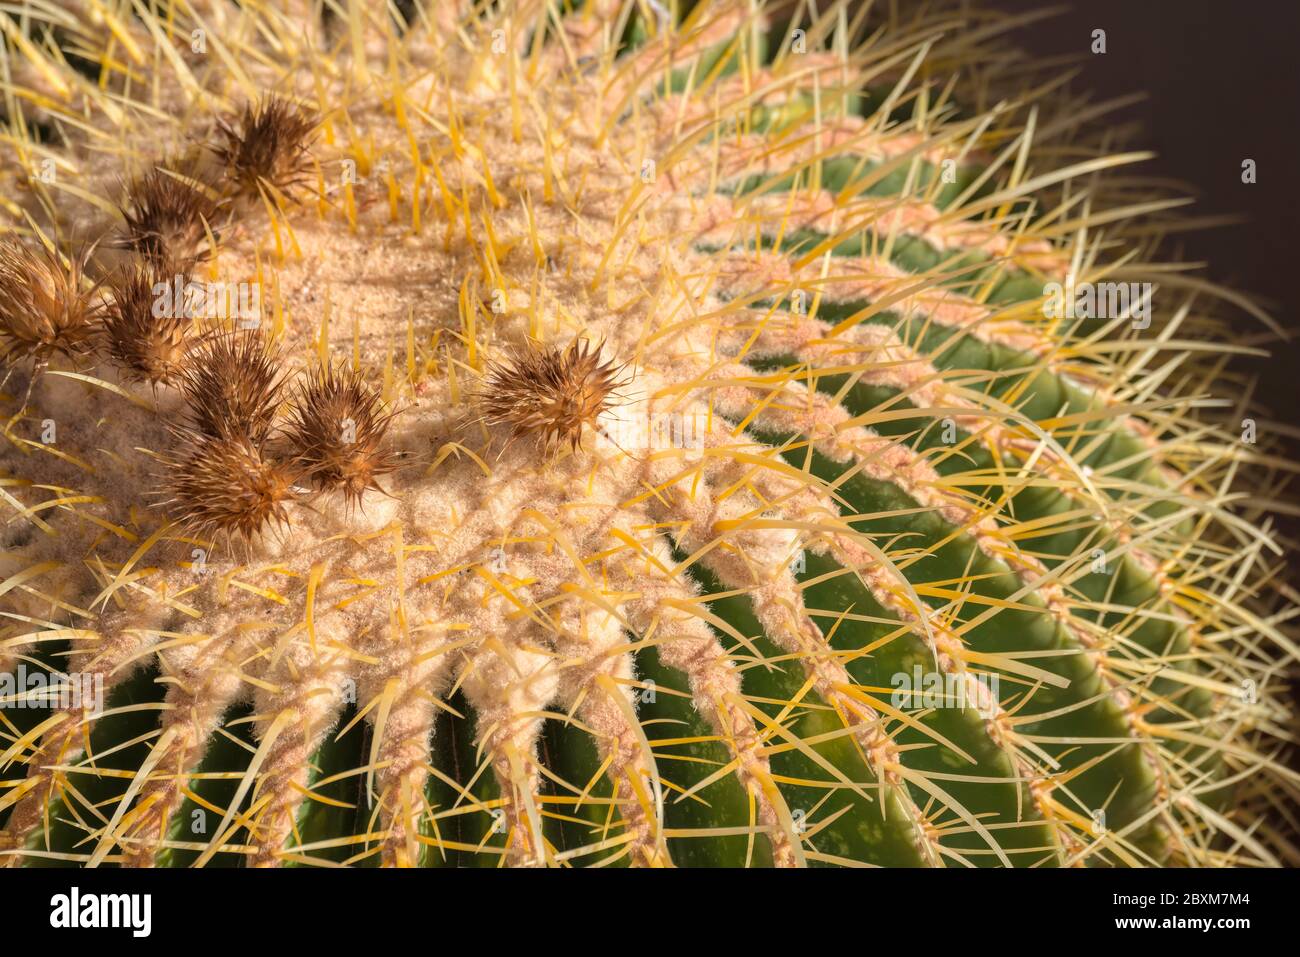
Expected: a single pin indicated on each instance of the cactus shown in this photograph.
(663, 433)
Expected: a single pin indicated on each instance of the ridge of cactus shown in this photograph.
(535, 433)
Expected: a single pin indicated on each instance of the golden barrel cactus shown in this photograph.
(549, 433)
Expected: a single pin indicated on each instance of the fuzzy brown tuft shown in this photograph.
(549, 393)
(270, 147)
(46, 307)
(336, 433)
(224, 487)
(167, 219)
(233, 384)
(149, 346)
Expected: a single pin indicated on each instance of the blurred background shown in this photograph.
(1222, 79)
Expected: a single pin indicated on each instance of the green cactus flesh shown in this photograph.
(868, 558)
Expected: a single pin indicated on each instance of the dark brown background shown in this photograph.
(1223, 84)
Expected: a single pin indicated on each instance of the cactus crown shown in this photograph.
(746, 497)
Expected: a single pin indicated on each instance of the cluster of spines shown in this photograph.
(169, 225)
(269, 149)
(549, 394)
(225, 476)
(46, 306)
(238, 461)
(335, 433)
(148, 344)
(168, 217)
(220, 478)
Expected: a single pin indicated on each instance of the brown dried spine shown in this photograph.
(233, 384)
(149, 342)
(46, 308)
(548, 393)
(270, 147)
(167, 220)
(336, 433)
(225, 486)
